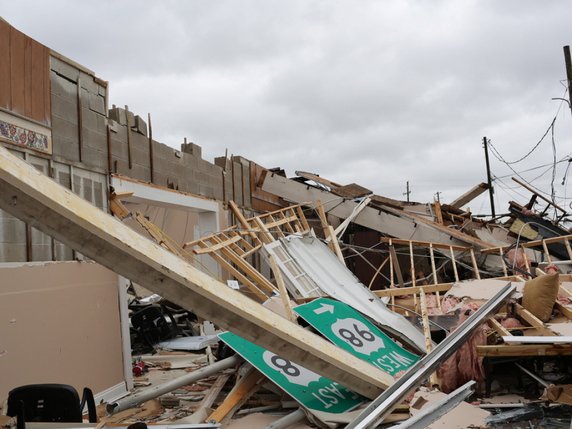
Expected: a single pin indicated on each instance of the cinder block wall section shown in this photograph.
(79, 107)
(137, 156)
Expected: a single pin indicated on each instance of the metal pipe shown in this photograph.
(155, 391)
(533, 375)
(382, 406)
(427, 416)
(288, 420)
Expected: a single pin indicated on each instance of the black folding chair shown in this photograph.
(50, 403)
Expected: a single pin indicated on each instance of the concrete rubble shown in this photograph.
(246, 298)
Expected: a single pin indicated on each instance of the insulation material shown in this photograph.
(464, 365)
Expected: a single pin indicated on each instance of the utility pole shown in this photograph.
(407, 192)
(438, 195)
(489, 180)
(568, 73)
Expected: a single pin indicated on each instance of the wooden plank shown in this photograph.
(525, 186)
(412, 265)
(34, 198)
(524, 350)
(282, 288)
(454, 264)
(242, 220)
(425, 244)
(239, 276)
(336, 244)
(475, 266)
(532, 320)
(565, 311)
(500, 329)
(396, 266)
(470, 195)
(438, 213)
(213, 392)
(249, 270)
(546, 252)
(265, 235)
(218, 246)
(502, 261)
(443, 287)
(243, 389)
(302, 219)
(433, 268)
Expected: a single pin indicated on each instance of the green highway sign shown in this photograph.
(349, 330)
(308, 388)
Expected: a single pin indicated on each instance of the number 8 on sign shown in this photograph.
(357, 335)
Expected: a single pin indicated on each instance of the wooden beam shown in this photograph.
(396, 265)
(215, 247)
(469, 196)
(427, 244)
(443, 287)
(282, 288)
(500, 329)
(524, 350)
(243, 389)
(242, 220)
(525, 186)
(32, 197)
(532, 320)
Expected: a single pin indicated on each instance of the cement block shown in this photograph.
(97, 103)
(222, 162)
(118, 115)
(13, 253)
(140, 172)
(140, 157)
(93, 157)
(64, 69)
(140, 126)
(192, 149)
(88, 83)
(94, 139)
(62, 87)
(65, 109)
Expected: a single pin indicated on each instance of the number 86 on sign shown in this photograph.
(357, 335)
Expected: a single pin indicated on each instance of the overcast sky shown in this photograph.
(372, 92)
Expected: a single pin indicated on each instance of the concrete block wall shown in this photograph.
(129, 146)
(65, 80)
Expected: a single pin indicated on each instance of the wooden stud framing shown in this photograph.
(453, 262)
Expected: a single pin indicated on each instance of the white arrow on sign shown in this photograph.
(325, 308)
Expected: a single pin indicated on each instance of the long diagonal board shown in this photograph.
(34, 198)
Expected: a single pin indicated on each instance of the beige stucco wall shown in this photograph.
(59, 323)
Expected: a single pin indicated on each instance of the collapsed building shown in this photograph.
(97, 216)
